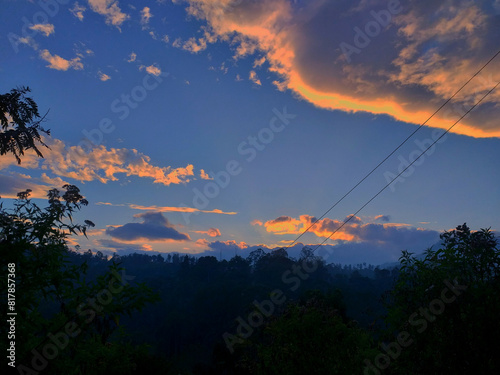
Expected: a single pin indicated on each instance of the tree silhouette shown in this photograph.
(448, 303)
(50, 293)
(20, 122)
(311, 336)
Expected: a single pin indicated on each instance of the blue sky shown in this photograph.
(294, 101)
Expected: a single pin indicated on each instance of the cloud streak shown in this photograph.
(212, 232)
(168, 208)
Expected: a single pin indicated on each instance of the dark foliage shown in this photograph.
(20, 122)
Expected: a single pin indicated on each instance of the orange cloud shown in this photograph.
(110, 10)
(103, 77)
(326, 227)
(152, 69)
(132, 57)
(254, 78)
(59, 63)
(202, 242)
(352, 230)
(212, 232)
(78, 11)
(99, 164)
(145, 15)
(147, 247)
(283, 225)
(259, 62)
(195, 45)
(44, 28)
(96, 232)
(178, 209)
(408, 81)
(204, 175)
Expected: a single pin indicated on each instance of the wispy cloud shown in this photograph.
(44, 28)
(179, 209)
(212, 232)
(166, 208)
(102, 76)
(258, 62)
(132, 57)
(145, 16)
(204, 175)
(254, 78)
(151, 69)
(58, 63)
(110, 9)
(78, 11)
(194, 45)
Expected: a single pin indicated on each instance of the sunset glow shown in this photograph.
(210, 127)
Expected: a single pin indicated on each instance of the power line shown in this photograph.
(396, 149)
(413, 162)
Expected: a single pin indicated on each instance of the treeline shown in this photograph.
(269, 314)
(202, 298)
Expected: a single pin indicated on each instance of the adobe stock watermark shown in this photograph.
(56, 343)
(413, 160)
(264, 309)
(420, 320)
(249, 149)
(49, 8)
(364, 36)
(121, 106)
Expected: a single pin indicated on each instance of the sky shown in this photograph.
(215, 127)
